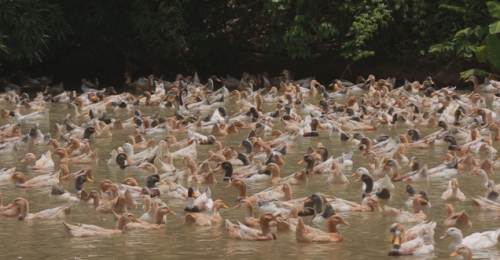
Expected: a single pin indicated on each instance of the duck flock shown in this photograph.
(295, 109)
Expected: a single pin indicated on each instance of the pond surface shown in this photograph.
(366, 238)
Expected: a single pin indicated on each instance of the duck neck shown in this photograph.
(121, 224)
(288, 193)
(97, 201)
(416, 206)
(190, 202)
(318, 206)
(192, 167)
(215, 211)
(147, 203)
(264, 226)
(248, 211)
(242, 191)
(25, 210)
(114, 192)
(415, 166)
(449, 212)
(457, 238)
(159, 217)
(332, 227)
(369, 185)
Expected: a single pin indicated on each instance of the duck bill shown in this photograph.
(324, 196)
(162, 181)
(321, 126)
(379, 208)
(225, 206)
(411, 164)
(352, 138)
(240, 145)
(345, 223)
(65, 107)
(229, 186)
(23, 160)
(405, 191)
(195, 195)
(391, 237)
(354, 174)
(455, 253)
(436, 126)
(128, 160)
(301, 161)
(359, 180)
(11, 205)
(397, 241)
(171, 212)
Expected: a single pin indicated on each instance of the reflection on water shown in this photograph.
(366, 238)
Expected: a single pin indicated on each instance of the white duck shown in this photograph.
(475, 241)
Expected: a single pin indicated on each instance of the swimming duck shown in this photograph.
(85, 230)
(250, 220)
(307, 234)
(242, 232)
(421, 245)
(412, 233)
(115, 205)
(23, 214)
(381, 193)
(38, 181)
(45, 162)
(411, 193)
(159, 222)
(475, 241)
(453, 193)
(314, 125)
(460, 220)
(464, 251)
(200, 219)
(199, 203)
(402, 216)
(377, 185)
(90, 157)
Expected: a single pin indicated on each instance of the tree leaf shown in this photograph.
(494, 8)
(482, 53)
(493, 46)
(495, 27)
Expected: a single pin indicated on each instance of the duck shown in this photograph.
(464, 251)
(22, 206)
(91, 157)
(453, 193)
(337, 176)
(38, 181)
(250, 220)
(422, 245)
(323, 217)
(200, 219)
(412, 233)
(381, 193)
(242, 232)
(475, 241)
(86, 230)
(45, 162)
(384, 183)
(199, 203)
(114, 205)
(402, 216)
(411, 193)
(314, 125)
(307, 234)
(367, 204)
(159, 222)
(460, 220)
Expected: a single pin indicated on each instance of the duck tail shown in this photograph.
(67, 210)
(67, 226)
(189, 220)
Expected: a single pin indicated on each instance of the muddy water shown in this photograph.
(366, 238)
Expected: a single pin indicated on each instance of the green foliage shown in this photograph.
(161, 34)
(478, 73)
(28, 27)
